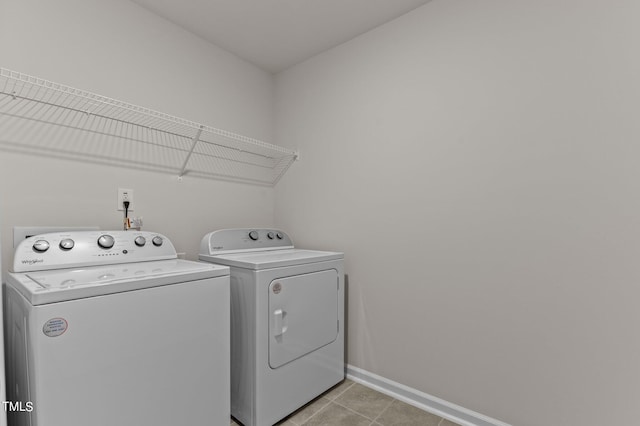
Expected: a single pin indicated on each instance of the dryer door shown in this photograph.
(303, 315)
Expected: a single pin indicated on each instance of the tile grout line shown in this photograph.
(314, 414)
(353, 411)
(345, 389)
(323, 407)
(373, 420)
(289, 420)
(385, 409)
(320, 409)
(360, 414)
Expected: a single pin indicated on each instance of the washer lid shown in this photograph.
(272, 258)
(42, 287)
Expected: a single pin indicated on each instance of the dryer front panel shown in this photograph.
(303, 315)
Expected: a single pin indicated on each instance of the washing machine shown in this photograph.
(287, 321)
(111, 328)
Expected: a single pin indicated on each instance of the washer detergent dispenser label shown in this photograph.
(55, 327)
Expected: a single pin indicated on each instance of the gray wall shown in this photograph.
(478, 163)
(117, 49)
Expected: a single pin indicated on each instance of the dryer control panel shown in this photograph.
(244, 239)
(90, 248)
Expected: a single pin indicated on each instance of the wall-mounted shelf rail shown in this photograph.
(44, 118)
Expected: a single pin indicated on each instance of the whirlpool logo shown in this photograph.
(32, 261)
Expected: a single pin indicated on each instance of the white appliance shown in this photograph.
(287, 321)
(110, 328)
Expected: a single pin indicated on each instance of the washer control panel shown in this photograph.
(244, 239)
(90, 248)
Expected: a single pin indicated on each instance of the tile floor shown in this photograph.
(351, 404)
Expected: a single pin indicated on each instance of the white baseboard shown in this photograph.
(426, 402)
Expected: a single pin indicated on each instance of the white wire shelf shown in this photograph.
(44, 118)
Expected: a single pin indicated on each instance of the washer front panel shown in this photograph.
(119, 358)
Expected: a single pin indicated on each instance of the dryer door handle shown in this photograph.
(279, 322)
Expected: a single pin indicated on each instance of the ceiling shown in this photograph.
(276, 34)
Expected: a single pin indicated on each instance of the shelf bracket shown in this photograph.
(196, 138)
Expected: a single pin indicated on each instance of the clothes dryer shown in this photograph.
(287, 321)
(110, 328)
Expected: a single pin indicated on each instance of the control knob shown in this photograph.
(253, 235)
(270, 235)
(279, 235)
(140, 241)
(106, 241)
(41, 246)
(157, 241)
(67, 244)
